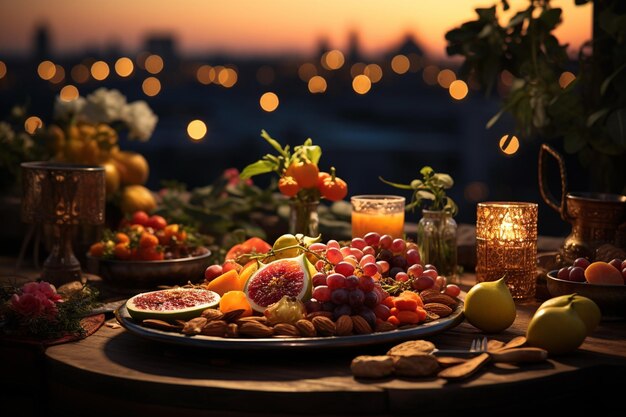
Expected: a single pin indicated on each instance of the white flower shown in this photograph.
(64, 110)
(140, 120)
(104, 106)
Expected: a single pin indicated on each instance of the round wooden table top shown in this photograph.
(120, 371)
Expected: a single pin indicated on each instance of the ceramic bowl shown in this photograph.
(150, 274)
(610, 298)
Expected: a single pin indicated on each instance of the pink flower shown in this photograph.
(232, 175)
(27, 304)
(45, 288)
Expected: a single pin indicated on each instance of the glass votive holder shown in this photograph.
(506, 244)
(383, 214)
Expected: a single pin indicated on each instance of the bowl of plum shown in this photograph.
(602, 282)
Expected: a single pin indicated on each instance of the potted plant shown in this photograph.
(436, 230)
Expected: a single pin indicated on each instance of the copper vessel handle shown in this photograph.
(546, 194)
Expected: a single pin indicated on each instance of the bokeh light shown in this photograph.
(69, 93)
(80, 73)
(333, 60)
(216, 74)
(100, 70)
(32, 124)
(3, 69)
(196, 129)
(476, 191)
(361, 84)
(205, 74)
(265, 75)
(458, 89)
(151, 86)
(566, 78)
(46, 70)
(306, 71)
(446, 77)
(400, 64)
(59, 75)
(357, 69)
(269, 102)
(506, 78)
(509, 144)
(430, 74)
(227, 77)
(124, 67)
(317, 84)
(374, 72)
(154, 64)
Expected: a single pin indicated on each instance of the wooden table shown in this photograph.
(118, 370)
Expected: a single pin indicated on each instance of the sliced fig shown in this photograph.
(289, 276)
(171, 304)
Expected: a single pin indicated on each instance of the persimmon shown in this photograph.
(121, 238)
(288, 186)
(148, 240)
(122, 251)
(97, 250)
(333, 188)
(305, 173)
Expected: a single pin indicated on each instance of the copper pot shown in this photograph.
(596, 218)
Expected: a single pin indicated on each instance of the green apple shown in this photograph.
(586, 308)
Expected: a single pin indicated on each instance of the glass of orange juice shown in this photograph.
(383, 214)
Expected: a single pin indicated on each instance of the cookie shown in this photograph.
(372, 366)
(412, 347)
(418, 365)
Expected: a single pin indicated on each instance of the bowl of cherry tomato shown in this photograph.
(146, 252)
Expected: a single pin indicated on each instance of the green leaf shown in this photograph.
(273, 143)
(616, 126)
(426, 171)
(550, 18)
(610, 78)
(593, 118)
(256, 168)
(495, 118)
(573, 142)
(425, 195)
(396, 185)
(313, 153)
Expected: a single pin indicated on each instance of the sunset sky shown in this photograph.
(253, 26)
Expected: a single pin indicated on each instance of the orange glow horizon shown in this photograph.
(250, 27)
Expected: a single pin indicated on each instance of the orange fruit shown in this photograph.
(235, 300)
(228, 281)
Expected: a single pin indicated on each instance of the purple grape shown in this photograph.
(366, 283)
(352, 282)
(564, 273)
(356, 297)
(368, 315)
(342, 310)
(384, 255)
(582, 262)
(577, 274)
(399, 261)
(371, 299)
(339, 296)
(312, 306)
(328, 306)
(394, 271)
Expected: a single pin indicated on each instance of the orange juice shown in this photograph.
(384, 223)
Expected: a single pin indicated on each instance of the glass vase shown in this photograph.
(436, 238)
(303, 218)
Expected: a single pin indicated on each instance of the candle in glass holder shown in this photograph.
(506, 244)
(383, 214)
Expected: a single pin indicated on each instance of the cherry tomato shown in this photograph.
(288, 186)
(150, 253)
(121, 238)
(156, 222)
(139, 217)
(122, 251)
(148, 240)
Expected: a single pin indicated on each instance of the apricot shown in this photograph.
(603, 273)
(235, 300)
(228, 281)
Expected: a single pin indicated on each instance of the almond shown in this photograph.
(286, 329)
(384, 326)
(215, 328)
(306, 328)
(319, 313)
(212, 314)
(232, 330)
(360, 325)
(255, 329)
(258, 319)
(194, 326)
(439, 298)
(344, 325)
(162, 325)
(439, 309)
(233, 315)
(324, 326)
